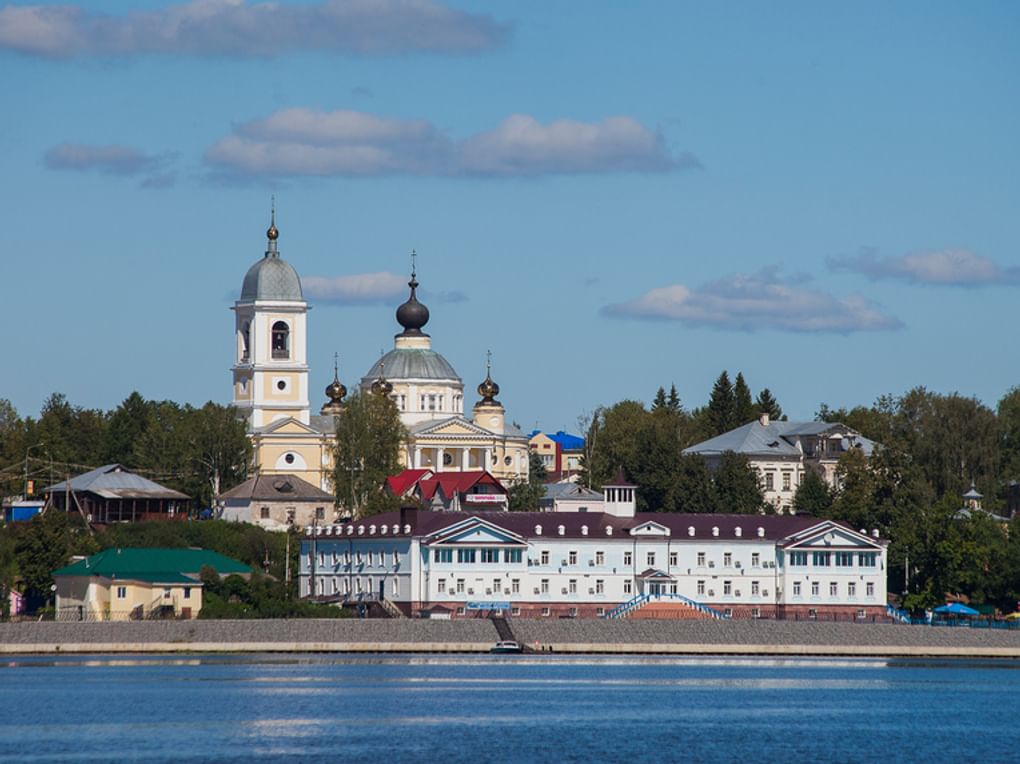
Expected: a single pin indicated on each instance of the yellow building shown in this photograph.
(133, 584)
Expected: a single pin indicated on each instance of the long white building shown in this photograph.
(590, 564)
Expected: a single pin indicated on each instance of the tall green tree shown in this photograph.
(659, 402)
(369, 435)
(813, 496)
(736, 486)
(744, 410)
(219, 450)
(525, 494)
(126, 423)
(721, 412)
(766, 403)
(673, 400)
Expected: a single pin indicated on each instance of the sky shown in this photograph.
(608, 196)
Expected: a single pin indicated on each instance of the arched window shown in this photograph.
(246, 341)
(281, 340)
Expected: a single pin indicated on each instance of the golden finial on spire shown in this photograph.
(272, 234)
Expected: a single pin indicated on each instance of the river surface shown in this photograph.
(444, 709)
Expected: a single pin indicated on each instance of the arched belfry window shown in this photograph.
(281, 340)
(246, 341)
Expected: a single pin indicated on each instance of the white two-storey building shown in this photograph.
(588, 564)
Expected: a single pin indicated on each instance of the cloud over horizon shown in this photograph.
(759, 301)
(304, 142)
(112, 159)
(948, 267)
(380, 288)
(237, 28)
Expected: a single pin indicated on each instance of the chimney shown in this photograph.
(763, 420)
(409, 516)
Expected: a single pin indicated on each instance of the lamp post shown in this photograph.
(27, 452)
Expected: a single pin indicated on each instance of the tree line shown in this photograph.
(199, 451)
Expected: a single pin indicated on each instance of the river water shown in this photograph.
(442, 709)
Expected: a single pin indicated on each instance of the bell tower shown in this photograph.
(271, 366)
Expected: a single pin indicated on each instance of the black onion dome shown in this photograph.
(382, 386)
(488, 390)
(335, 391)
(413, 315)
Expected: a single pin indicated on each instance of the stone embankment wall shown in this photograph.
(683, 637)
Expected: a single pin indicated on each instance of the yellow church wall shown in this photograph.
(291, 394)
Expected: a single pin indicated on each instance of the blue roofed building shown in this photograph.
(783, 452)
(560, 453)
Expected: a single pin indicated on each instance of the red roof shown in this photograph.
(456, 482)
(402, 483)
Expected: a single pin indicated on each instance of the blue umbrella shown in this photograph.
(957, 608)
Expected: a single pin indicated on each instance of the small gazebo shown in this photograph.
(112, 494)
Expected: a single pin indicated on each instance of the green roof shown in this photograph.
(157, 565)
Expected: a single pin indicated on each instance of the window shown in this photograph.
(121, 592)
(628, 586)
(572, 557)
(347, 557)
(796, 588)
(466, 555)
(515, 586)
(650, 559)
(545, 586)
(371, 558)
(264, 513)
(490, 555)
(511, 555)
(727, 559)
(727, 588)
(755, 589)
(600, 557)
(600, 586)
(672, 588)
(833, 589)
(545, 611)
(396, 559)
(545, 557)
(357, 585)
(600, 611)
(322, 559)
(347, 586)
(335, 557)
(701, 588)
(628, 558)
(755, 560)
(332, 582)
(572, 586)
(281, 340)
(460, 586)
(701, 559)
(673, 558)
(798, 559)
(844, 559)
(460, 611)
(755, 612)
(497, 585)
(869, 589)
(187, 592)
(441, 585)
(787, 479)
(814, 588)
(359, 558)
(866, 559)
(443, 555)
(851, 589)
(769, 481)
(320, 513)
(515, 611)
(395, 587)
(861, 613)
(820, 559)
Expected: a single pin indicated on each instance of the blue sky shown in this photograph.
(609, 196)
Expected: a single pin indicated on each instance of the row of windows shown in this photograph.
(851, 589)
(356, 585)
(839, 559)
(787, 481)
(167, 592)
(486, 555)
(651, 559)
(729, 591)
(358, 558)
(459, 586)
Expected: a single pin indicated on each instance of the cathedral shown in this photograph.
(271, 389)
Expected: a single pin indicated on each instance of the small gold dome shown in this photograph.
(488, 390)
(335, 391)
(382, 386)
(272, 234)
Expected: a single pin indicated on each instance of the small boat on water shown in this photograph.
(505, 647)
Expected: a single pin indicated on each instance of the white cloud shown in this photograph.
(948, 267)
(302, 142)
(749, 303)
(357, 289)
(112, 160)
(259, 29)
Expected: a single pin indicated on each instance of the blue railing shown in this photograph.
(642, 599)
(899, 615)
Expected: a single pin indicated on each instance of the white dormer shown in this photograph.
(620, 497)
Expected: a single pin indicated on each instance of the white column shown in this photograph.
(417, 457)
(439, 459)
(465, 459)
(488, 459)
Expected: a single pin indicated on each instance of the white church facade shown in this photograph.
(271, 388)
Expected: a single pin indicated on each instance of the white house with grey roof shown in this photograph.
(781, 453)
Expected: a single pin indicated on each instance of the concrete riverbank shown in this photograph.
(764, 638)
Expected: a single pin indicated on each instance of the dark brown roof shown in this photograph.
(277, 488)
